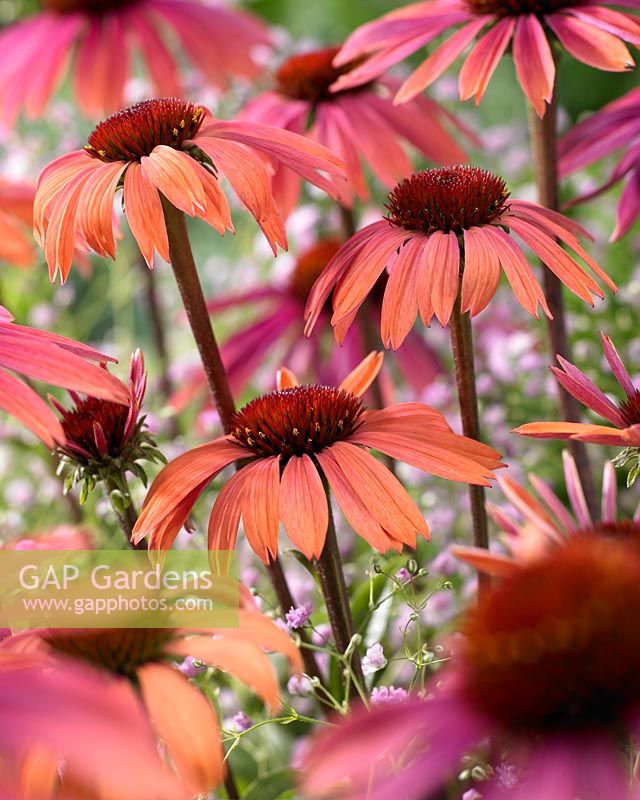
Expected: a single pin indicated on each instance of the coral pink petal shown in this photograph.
(354, 507)
(185, 724)
(481, 272)
(303, 506)
(143, 210)
(400, 301)
(226, 513)
(95, 209)
(524, 283)
(265, 633)
(172, 173)
(361, 377)
(481, 63)
(584, 390)
(261, 506)
(444, 255)
(160, 63)
(384, 495)
(617, 367)
(440, 60)
(590, 44)
(534, 62)
(25, 405)
(607, 19)
(242, 659)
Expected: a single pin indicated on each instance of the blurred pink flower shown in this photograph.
(53, 359)
(616, 127)
(591, 31)
(97, 40)
(544, 522)
(60, 537)
(54, 711)
(533, 673)
(16, 220)
(275, 330)
(361, 125)
(176, 149)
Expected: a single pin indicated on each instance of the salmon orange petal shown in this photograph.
(185, 723)
(143, 210)
(361, 377)
(303, 506)
(261, 506)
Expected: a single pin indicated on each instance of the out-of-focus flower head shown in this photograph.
(104, 36)
(592, 32)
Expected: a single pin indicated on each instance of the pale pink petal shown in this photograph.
(303, 506)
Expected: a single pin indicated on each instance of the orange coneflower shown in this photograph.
(168, 148)
(134, 662)
(293, 439)
(443, 224)
(105, 35)
(590, 30)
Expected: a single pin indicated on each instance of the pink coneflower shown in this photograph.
(140, 663)
(544, 522)
(173, 149)
(290, 441)
(616, 127)
(16, 221)
(100, 39)
(53, 359)
(625, 417)
(276, 328)
(361, 125)
(444, 223)
(57, 711)
(548, 670)
(592, 32)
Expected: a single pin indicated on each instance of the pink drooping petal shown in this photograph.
(400, 301)
(590, 44)
(143, 210)
(441, 58)
(102, 65)
(557, 260)
(585, 390)
(160, 63)
(368, 263)
(444, 258)
(534, 62)
(617, 367)
(303, 506)
(481, 63)
(481, 272)
(25, 405)
(248, 175)
(261, 506)
(185, 724)
(628, 207)
(524, 283)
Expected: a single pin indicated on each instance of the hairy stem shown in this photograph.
(186, 275)
(336, 597)
(463, 359)
(543, 134)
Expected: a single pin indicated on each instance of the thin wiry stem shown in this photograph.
(186, 275)
(543, 134)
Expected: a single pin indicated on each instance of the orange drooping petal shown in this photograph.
(143, 210)
(261, 506)
(303, 506)
(185, 723)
